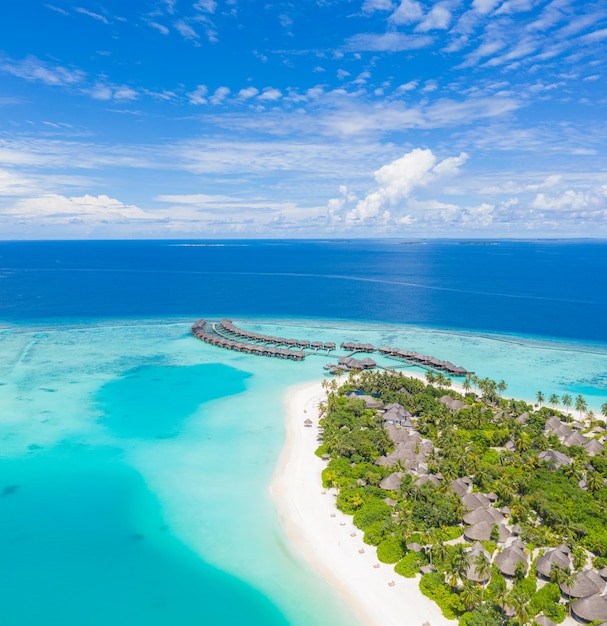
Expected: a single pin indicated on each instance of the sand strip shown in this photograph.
(327, 539)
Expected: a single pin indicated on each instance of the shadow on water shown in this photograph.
(151, 402)
(83, 542)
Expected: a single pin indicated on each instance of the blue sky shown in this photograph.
(236, 118)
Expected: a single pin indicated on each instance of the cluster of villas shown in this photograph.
(425, 361)
(483, 520)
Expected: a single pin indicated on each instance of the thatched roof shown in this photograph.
(392, 482)
(542, 620)
(489, 514)
(594, 447)
(591, 608)
(474, 501)
(523, 417)
(461, 486)
(553, 557)
(427, 478)
(603, 573)
(507, 560)
(556, 459)
(478, 532)
(471, 573)
(415, 547)
(576, 439)
(587, 583)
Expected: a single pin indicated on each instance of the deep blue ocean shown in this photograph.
(547, 288)
(135, 460)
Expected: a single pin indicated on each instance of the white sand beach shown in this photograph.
(328, 540)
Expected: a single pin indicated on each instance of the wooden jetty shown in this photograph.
(224, 334)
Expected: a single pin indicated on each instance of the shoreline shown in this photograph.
(327, 539)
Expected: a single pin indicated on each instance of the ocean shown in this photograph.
(135, 460)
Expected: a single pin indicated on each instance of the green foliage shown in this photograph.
(483, 616)
(321, 450)
(390, 550)
(527, 585)
(375, 533)
(545, 600)
(373, 511)
(350, 499)
(433, 507)
(409, 565)
(434, 587)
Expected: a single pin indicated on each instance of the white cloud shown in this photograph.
(408, 11)
(61, 208)
(387, 42)
(12, 184)
(209, 6)
(221, 93)
(396, 181)
(270, 94)
(248, 92)
(95, 16)
(159, 27)
(484, 7)
(370, 6)
(199, 95)
(32, 69)
(439, 18)
(186, 31)
(125, 93)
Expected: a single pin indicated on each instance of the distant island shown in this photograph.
(499, 506)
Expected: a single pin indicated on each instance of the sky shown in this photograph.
(303, 119)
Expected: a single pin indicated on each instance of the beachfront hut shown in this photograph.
(575, 439)
(554, 458)
(474, 501)
(370, 401)
(551, 558)
(594, 447)
(482, 532)
(587, 583)
(392, 482)
(542, 620)
(471, 572)
(508, 559)
(414, 547)
(491, 515)
(461, 486)
(591, 608)
(427, 478)
(478, 532)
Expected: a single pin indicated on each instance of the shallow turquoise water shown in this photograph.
(135, 463)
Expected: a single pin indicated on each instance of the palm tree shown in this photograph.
(566, 400)
(604, 409)
(580, 405)
(519, 601)
(466, 386)
(553, 400)
(460, 559)
(430, 377)
(594, 481)
(470, 595)
(567, 581)
(502, 386)
(482, 565)
(539, 396)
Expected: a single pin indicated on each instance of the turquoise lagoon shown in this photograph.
(135, 463)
